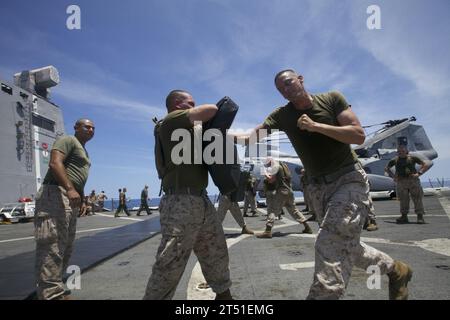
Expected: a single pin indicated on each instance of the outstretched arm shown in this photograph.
(256, 135)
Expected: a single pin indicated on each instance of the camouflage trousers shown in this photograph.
(407, 187)
(188, 223)
(249, 200)
(55, 225)
(307, 198)
(226, 204)
(276, 201)
(371, 213)
(342, 208)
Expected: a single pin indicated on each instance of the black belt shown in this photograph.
(57, 185)
(329, 178)
(190, 191)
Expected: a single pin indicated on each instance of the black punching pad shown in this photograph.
(226, 176)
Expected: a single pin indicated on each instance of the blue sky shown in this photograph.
(127, 56)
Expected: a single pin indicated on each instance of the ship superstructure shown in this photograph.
(29, 125)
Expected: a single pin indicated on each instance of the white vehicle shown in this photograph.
(14, 212)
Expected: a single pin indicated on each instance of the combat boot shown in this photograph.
(307, 229)
(246, 230)
(372, 226)
(420, 219)
(245, 214)
(403, 219)
(398, 281)
(267, 234)
(226, 295)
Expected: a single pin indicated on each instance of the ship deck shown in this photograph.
(116, 256)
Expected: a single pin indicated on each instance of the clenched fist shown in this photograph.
(305, 123)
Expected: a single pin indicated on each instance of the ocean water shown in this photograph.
(112, 204)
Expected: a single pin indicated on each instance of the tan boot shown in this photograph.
(267, 234)
(398, 281)
(372, 226)
(307, 229)
(226, 295)
(246, 230)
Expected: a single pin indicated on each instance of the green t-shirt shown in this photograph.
(320, 155)
(77, 162)
(184, 175)
(404, 167)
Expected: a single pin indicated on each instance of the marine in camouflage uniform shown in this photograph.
(279, 195)
(321, 128)
(58, 204)
(408, 183)
(189, 221)
(144, 203)
(250, 196)
(101, 200)
(225, 205)
(122, 203)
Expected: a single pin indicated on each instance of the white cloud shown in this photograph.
(411, 50)
(93, 95)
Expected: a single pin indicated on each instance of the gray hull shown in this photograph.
(29, 125)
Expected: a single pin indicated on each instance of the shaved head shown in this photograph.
(84, 130)
(174, 96)
(82, 121)
(283, 72)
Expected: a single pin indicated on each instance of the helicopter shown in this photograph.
(374, 154)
